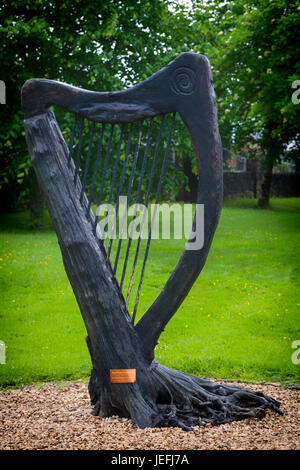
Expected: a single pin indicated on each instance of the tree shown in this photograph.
(100, 45)
(256, 61)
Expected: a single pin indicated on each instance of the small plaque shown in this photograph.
(122, 376)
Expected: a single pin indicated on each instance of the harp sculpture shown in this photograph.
(125, 379)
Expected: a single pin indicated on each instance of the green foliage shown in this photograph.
(253, 47)
(100, 45)
(256, 60)
(239, 320)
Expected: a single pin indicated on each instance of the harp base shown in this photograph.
(180, 400)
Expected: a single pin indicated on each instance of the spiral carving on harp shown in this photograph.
(183, 80)
(119, 163)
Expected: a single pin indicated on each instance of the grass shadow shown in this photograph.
(290, 205)
(20, 221)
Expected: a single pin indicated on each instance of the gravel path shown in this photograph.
(58, 417)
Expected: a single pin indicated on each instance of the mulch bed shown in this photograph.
(58, 417)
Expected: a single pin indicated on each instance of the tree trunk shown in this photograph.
(273, 150)
(264, 199)
(192, 181)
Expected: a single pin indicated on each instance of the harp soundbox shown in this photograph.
(119, 145)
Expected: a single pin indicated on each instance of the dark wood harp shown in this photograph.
(125, 379)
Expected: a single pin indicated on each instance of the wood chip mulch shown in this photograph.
(58, 417)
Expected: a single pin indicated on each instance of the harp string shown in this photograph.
(136, 154)
(72, 140)
(141, 177)
(104, 175)
(157, 145)
(79, 150)
(86, 166)
(96, 168)
(128, 145)
(154, 215)
(113, 181)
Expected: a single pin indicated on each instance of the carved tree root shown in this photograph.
(182, 400)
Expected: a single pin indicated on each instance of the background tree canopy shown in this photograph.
(253, 47)
(101, 45)
(256, 61)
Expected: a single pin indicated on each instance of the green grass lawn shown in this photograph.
(239, 320)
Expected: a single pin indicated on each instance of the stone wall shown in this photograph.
(247, 184)
(238, 185)
(286, 185)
